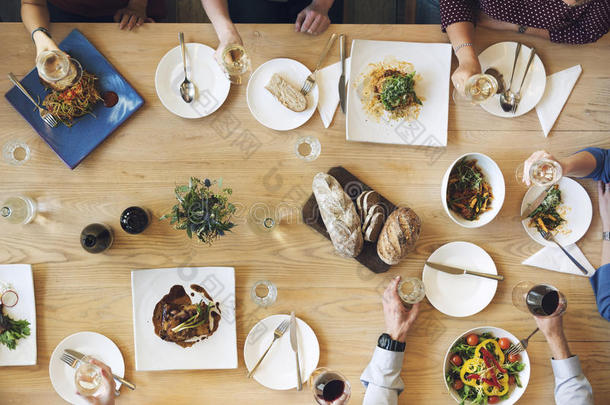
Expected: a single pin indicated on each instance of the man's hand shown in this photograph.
(313, 19)
(603, 191)
(132, 16)
(398, 319)
(552, 328)
(227, 38)
(107, 394)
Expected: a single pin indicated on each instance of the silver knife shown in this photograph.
(295, 348)
(531, 207)
(342, 78)
(80, 356)
(457, 270)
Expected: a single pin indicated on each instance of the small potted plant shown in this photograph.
(201, 210)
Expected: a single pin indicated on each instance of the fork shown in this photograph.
(45, 115)
(73, 362)
(311, 79)
(527, 68)
(549, 236)
(522, 345)
(279, 331)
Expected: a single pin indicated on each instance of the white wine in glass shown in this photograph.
(543, 173)
(236, 63)
(477, 89)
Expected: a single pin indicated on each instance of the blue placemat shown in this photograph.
(73, 144)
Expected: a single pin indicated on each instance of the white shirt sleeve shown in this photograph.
(381, 378)
(571, 386)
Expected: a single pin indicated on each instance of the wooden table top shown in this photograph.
(143, 160)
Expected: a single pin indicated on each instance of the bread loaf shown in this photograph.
(399, 235)
(339, 215)
(286, 93)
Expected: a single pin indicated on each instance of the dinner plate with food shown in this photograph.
(479, 370)
(184, 318)
(398, 93)
(274, 94)
(88, 111)
(566, 212)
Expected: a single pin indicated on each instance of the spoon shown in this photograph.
(187, 89)
(507, 99)
(499, 78)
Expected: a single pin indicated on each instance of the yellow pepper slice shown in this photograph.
(497, 350)
(471, 366)
(503, 380)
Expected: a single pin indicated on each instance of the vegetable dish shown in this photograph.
(468, 193)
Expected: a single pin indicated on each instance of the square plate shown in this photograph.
(19, 276)
(433, 63)
(219, 351)
(73, 144)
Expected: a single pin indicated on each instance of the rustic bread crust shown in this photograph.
(399, 235)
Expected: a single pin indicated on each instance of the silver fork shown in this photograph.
(549, 236)
(527, 69)
(311, 79)
(522, 345)
(45, 115)
(73, 362)
(279, 331)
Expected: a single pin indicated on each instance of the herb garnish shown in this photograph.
(399, 91)
(11, 331)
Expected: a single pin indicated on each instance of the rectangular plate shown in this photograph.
(73, 144)
(219, 351)
(433, 63)
(19, 276)
(353, 187)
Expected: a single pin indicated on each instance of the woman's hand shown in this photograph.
(132, 16)
(227, 38)
(313, 19)
(468, 66)
(398, 319)
(603, 191)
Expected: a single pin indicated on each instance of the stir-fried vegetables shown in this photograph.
(398, 90)
(74, 102)
(546, 217)
(468, 193)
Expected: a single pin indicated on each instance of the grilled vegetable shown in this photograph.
(468, 194)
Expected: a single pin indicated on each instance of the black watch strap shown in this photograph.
(387, 343)
(42, 29)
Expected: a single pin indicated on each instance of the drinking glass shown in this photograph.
(262, 217)
(16, 152)
(329, 387)
(543, 173)
(19, 210)
(263, 293)
(57, 68)
(477, 89)
(539, 299)
(411, 290)
(236, 63)
(307, 148)
(88, 378)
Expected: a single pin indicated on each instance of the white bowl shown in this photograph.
(493, 175)
(524, 375)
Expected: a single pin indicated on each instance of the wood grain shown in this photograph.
(144, 159)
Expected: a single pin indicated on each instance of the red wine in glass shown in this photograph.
(330, 388)
(545, 300)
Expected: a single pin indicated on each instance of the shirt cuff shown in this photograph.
(566, 368)
(387, 360)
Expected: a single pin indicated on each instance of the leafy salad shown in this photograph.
(546, 217)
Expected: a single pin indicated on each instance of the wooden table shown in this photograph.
(143, 160)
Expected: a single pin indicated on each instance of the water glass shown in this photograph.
(88, 378)
(58, 69)
(307, 148)
(16, 152)
(262, 217)
(18, 210)
(263, 293)
(411, 290)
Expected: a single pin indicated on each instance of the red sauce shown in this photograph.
(110, 99)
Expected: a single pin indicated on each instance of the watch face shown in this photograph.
(384, 341)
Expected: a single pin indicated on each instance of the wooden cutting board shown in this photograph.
(353, 187)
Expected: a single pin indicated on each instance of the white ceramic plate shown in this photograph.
(460, 295)
(576, 209)
(266, 108)
(493, 175)
(524, 375)
(19, 276)
(278, 370)
(211, 84)
(433, 63)
(501, 57)
(89, 343)
(219, 351)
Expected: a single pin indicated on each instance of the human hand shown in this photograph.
(550, 326)
(468, 67)
(534, 157)
(107, 394)
(398, 319)
(313, 19)
(132, 16)
(229, 37)
(603, 191)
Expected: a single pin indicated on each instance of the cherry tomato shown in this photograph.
(457, 360)
(458, 385)
(514, 357)
(504, 343)
(472, 339)
(493, 400)
(511, 380)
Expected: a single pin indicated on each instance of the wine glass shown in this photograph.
(477, 89)
(88, 378)
(411, 290)
(329, 387)
(58, 69)
(543, 172)
(539, 299)
(236, 63)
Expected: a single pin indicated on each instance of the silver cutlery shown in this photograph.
(507, 98)
(549, 236)
(278, 333)
(342, 77)
(45, 115)
(522, 345)
(295, 347)
(527, 69)
(75, 358)
(187, 88)
(456, 270)
(531, 207)
(311, 79)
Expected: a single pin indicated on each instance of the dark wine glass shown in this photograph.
(329, 387)
(539, 299)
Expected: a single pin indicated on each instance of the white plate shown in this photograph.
(211, 84)
(501, 57)
(278, 370)
(576, 208)
(460, 295)
(89, 343)
(433, 63)
(266, 108)
(19, 276)
(219, 351)
(524, 375)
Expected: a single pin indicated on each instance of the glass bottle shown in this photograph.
(96, 238)
(135, 220)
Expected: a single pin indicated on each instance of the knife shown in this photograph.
(295, 348)
(342, 77)
(531, 207)
(80, 357)
(457, 270)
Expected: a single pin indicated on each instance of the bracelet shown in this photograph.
(606, 236)
(42, 29)
(457, 48)
(522, 29)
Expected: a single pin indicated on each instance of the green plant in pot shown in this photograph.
(203, 209)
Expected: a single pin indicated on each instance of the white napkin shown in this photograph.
(558, 88)
(327, 80)
(552, 258)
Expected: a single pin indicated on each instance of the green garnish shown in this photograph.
(11, 330)
(398, 91)
(194, 321)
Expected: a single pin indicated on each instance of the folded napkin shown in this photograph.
(552, 258)
(327, 80)
(558, 88)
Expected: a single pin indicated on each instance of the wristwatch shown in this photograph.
(606, 236)
(522, 29)
(387, 343)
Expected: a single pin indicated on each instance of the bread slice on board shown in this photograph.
(399, 235)
(286, 94)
